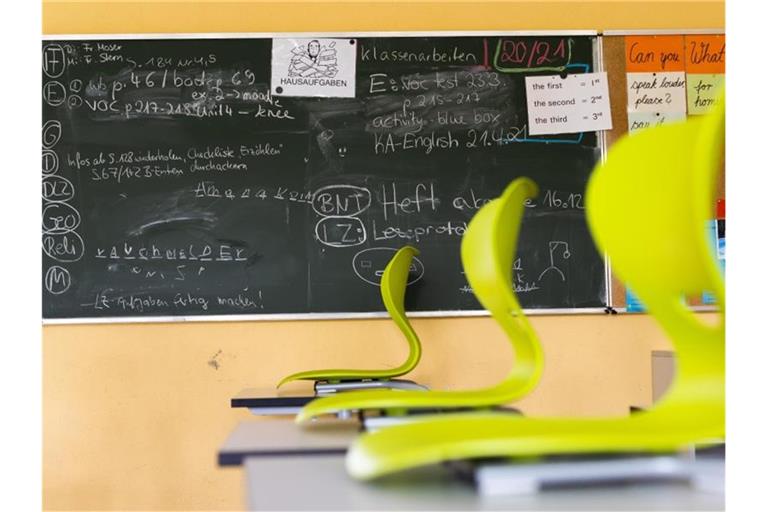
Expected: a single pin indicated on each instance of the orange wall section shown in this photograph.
(121, 16)
(133, 413)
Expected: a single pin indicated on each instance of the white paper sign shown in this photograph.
(656, 92)
(319, 67)
(576, 103)
(703, 91)
(639, 120)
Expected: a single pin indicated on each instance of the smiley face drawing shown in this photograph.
(313, 61)
(369, 265)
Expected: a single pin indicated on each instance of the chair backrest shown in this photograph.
(488, 252)
(647, 206)
(393, 284)
(394, 281)
(677, 165)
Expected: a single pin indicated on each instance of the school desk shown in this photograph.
(320, 482)
(279, 457)
(283, 437)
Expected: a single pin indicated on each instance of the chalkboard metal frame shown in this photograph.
(601, 141)
(277, 317)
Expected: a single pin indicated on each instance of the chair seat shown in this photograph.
(408, 400)
(478, 435)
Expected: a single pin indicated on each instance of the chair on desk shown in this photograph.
(488, 250)
(393, 284)
(647, 207)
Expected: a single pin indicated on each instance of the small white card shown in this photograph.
(314, 67)
(576, 103)
(703, 91)
(656, 92)
(639, 120)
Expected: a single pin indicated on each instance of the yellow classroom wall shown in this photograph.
(133, 413)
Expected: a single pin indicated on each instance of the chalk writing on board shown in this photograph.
(57, 280)
(341, 200)
(60, 220)
(520, 283)
(54, 93)
(556, 247)
(57, 188)
(394, 202)
(180, 272)
(54, 61)
(419, 233)
(109, 300)
(50, 161)
(51, 133)
(369, 265)
(66, 247)
(192, 252)
(371, 52)
(340, 231)
(517, 55)
(555, 199)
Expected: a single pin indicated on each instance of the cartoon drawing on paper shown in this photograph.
(313, 61)
(314, 67)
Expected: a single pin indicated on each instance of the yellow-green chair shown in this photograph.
(647, 207)
(489, 244)
(393, 283)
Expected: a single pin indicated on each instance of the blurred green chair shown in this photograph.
(488, 250)
(647, 206)
(393, 283)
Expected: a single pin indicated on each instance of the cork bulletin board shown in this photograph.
(701, 54)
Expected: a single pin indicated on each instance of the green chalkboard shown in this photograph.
(177, 183)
